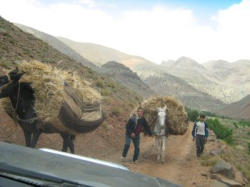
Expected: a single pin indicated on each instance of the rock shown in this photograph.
(218, 184)
(245, 180)
(215, 152)
(223, 168)
(211, 138)
(228, 182)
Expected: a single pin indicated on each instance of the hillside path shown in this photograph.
(181, 166)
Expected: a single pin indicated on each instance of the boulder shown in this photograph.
(223, 168)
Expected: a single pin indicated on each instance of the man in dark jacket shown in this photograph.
(200, 134)
(134, 127)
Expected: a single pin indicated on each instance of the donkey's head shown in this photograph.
(162, 115)
(13, 75)
(9, 83)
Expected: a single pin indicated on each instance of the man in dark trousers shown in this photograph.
(134, 127)
(200, 134)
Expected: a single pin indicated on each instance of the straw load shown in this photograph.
(176, 120)
(53, 88)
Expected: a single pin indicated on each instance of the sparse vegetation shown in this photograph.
(207, 160)
(248, 148)
(116, 111)
(105, 92)
(221, 131)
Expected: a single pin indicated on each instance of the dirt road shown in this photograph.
(181, 166)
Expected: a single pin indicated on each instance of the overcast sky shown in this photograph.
(157, 30)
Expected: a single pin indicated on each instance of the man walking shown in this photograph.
(200, 134)
(134, 127)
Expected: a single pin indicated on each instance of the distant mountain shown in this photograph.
(99, 54)
(193, 73)
(234, 77)
(226, 81)
(126, 77)
(57, 44)
(148, 71)
(169, 85)
(238, 110)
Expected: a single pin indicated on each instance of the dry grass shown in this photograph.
(48, 84)
(177, 122)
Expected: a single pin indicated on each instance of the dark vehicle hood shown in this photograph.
(80, 171)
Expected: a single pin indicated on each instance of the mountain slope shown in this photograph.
(57, 44)
(238, 110)
(228, 82)
(168, 85)
(99, 54)
(127, 77)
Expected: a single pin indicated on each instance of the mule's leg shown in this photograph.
(35, 138)
(163, 146)
(71, 143)
(157, 147)
(27, 136)
(65, 145)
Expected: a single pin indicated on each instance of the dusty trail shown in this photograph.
(181, 166)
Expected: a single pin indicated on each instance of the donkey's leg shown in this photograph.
(65, 145)
(157, 147)
(71, 143)
(27, 136)
(163, 147)
(35, 138)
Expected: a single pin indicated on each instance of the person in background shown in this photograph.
(200, 134)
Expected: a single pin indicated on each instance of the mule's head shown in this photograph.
(7, 82)
(13, 75)
(162, 115)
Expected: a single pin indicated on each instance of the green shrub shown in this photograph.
(105, 92)
(248, 148)
(221, 131)
(99, 83)
(111, 84)
(192, 114)
(244, 123)
(235, 125)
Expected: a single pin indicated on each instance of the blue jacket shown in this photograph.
(132, 125)
(194, 131)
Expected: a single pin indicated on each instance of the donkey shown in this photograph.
(22, 99)
(160, 133)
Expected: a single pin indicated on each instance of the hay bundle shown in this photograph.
(176, 119)
(49, 85)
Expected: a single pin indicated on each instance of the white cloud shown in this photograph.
(158, 34)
